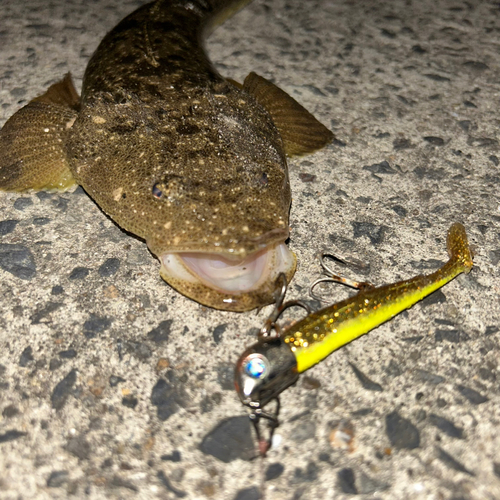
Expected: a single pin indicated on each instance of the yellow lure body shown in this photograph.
(316, 336)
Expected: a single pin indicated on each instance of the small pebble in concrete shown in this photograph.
(26, 356)
(373, 232)
(23, 203)
(57, 290)
(252, 493)
(496, 468)
(17, 260)
(79, 273)
(435, 141)
(218, 332)
(342, 435)
(305, 177)
(230, 439)
(57, 478)
(454, 336)
(444, 425)
(175, 456)
(346, 481)
(162, 332)
(11, 435)
(41, 221)
(380, 168)
(401, 143)
(436, 78)
(437, 297)
(96, 324)
(168, 485)
(130, 401)
(62, 390)
(225, 376)
(451, 462)
(168, 397)
(44, 311)
(475, 397)
(68, 354)
(309, 474)
(115, 380)
(7, 226)
(425, 376)
(401, 432)
(274, 471)
(310, 383)
(10, 411)
(109, 267)
(79, 447)
(366, 382)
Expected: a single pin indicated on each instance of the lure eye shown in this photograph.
(256, 367)
(157, 192)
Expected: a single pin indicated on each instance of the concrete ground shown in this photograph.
(112, 385)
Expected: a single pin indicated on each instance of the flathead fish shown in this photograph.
(193, 163)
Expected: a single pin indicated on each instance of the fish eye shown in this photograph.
(256, 366)
(263, 179)
(157, 192)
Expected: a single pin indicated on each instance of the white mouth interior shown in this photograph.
(225, 274)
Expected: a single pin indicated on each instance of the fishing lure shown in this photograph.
(275, 362)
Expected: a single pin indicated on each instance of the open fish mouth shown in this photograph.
(224, 282)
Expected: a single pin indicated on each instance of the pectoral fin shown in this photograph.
(300, 131)
(32, 152)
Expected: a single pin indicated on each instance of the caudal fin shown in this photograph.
(458, 247)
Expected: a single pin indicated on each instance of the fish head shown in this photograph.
(203, 180)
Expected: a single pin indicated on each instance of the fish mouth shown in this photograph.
(225, 282)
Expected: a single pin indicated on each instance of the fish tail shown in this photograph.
(458, 248)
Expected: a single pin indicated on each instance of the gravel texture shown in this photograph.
(114, 386)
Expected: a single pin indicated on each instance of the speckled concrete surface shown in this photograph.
(114, 386)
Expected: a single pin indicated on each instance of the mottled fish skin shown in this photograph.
(164, 117)
(182, 157)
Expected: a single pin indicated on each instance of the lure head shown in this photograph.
(263, 371)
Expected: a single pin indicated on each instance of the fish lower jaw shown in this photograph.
(226, 283)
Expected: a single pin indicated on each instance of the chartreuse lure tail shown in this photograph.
(268, 367)
(324, 331)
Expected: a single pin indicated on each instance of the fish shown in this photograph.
(193, 163)
(275, 362)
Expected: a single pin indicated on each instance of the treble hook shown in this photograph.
(272, 419)
(270, 324)
(335, 278)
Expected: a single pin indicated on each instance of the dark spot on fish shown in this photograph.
(120, 97)
(187, 129)
(222, 87)
(124, 127)
(161, 113)
(124, 195)
(152, 90)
